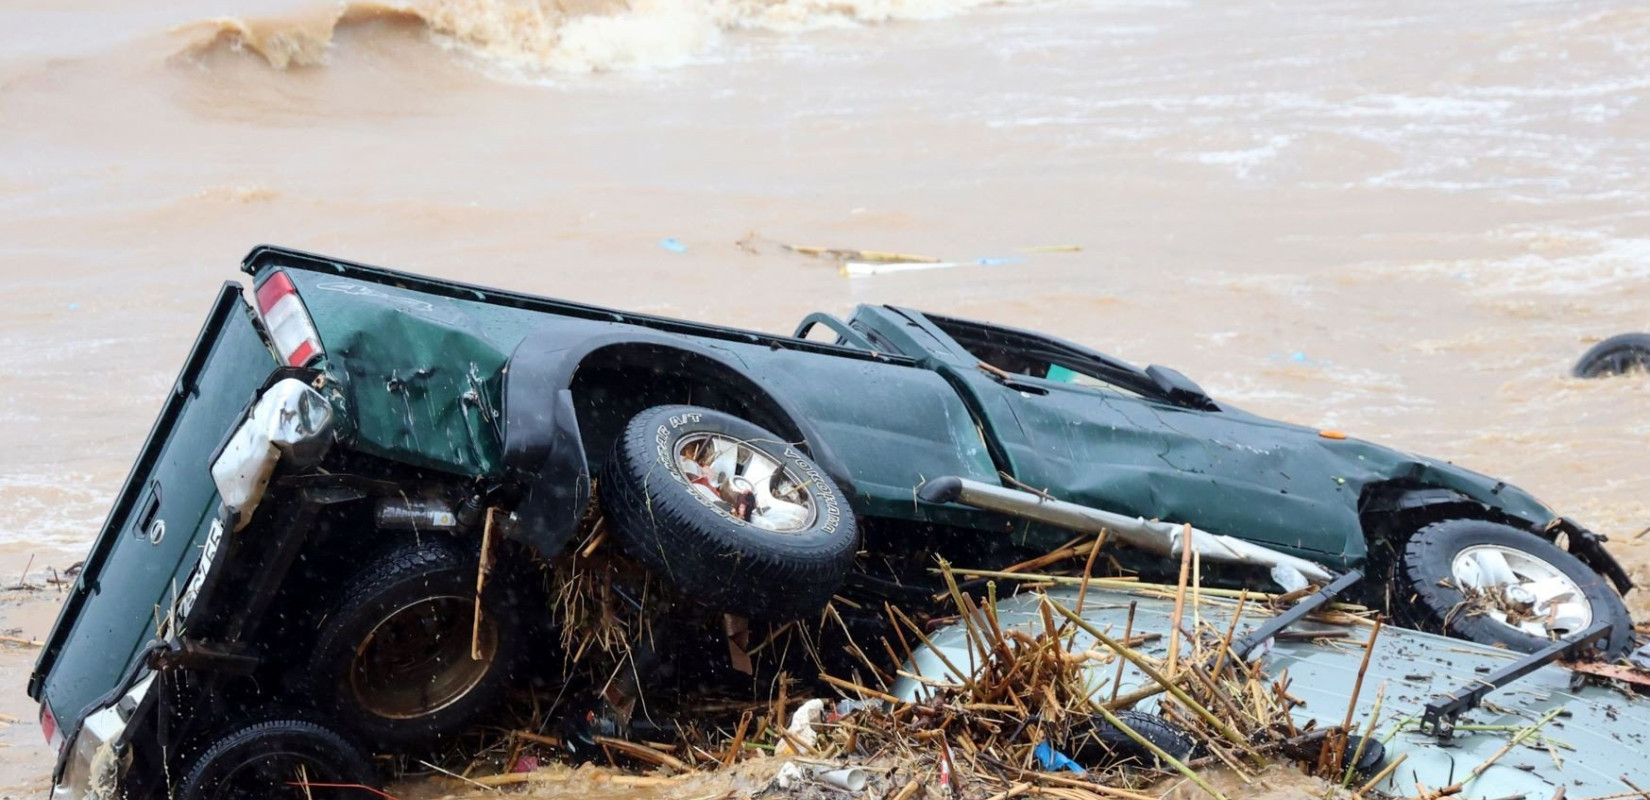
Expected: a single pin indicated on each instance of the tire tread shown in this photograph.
(666, 532)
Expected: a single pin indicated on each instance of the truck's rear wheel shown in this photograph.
(279, 758)
(729, 513)
(1497, 585)
(394, 660)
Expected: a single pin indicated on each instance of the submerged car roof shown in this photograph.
(1599, 736)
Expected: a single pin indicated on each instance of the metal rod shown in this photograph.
(1152, 536)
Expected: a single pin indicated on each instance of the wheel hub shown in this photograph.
(1521, 591)
(417, 660)
(747, 483)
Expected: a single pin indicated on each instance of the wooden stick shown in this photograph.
(1226, 643)
(595, 542)
(1180, 596)
(482, 569)
(1061, 780)
(1128, 631)
(448, 773)
(738, 742)
(1334, 745)
(909, 789)
(642, 752)
(1369, 732)
(863, 691)
(539, 738)
(916, 630)
(1088, 570)
(1386, 772)
(1632, 785)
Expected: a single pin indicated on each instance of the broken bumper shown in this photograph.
(97, 757)
(290, 420)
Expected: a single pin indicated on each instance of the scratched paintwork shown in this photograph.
(1600, 735)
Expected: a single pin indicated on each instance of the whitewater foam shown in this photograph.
(535, 38)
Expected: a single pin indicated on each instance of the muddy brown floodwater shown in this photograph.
(1399, 218)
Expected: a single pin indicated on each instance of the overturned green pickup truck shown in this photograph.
(295, 563)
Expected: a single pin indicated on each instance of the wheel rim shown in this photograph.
(745, 483)
(1521, 591)
(417, 660)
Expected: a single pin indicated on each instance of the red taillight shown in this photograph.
(287, 320)
(48, 726)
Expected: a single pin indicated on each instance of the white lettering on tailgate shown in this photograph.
(209, 552)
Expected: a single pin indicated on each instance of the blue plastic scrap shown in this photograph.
(673, 244)
(1051, 759)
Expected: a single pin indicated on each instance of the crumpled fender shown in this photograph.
(543, 446)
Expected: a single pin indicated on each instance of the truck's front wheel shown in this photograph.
(401, 660)
(1494, 584)
(731, 514)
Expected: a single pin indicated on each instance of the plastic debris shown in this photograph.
(789, 775)
(1053, 760)
(673, 244)
(1289, 578)
(801, 730)
(854, 269)
(1051, 248)
(851, 779)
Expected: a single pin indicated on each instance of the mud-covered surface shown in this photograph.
(1403, 220)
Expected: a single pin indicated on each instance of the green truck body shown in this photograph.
(496, 388)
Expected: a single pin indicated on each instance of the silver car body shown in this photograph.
(1602, 734)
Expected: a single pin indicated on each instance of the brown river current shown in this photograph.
(1397, 218)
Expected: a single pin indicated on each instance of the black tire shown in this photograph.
(1429, 599)
(263, 760)
(1101, 744)
(392, 660)
(1370, 760)
(1308, 748)
(1616, 355)
(703, 549)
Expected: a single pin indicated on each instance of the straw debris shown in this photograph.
(994, 723)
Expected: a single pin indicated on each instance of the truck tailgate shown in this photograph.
(154, 532)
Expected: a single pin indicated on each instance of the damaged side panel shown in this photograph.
(1227, 471)
(421, 381)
